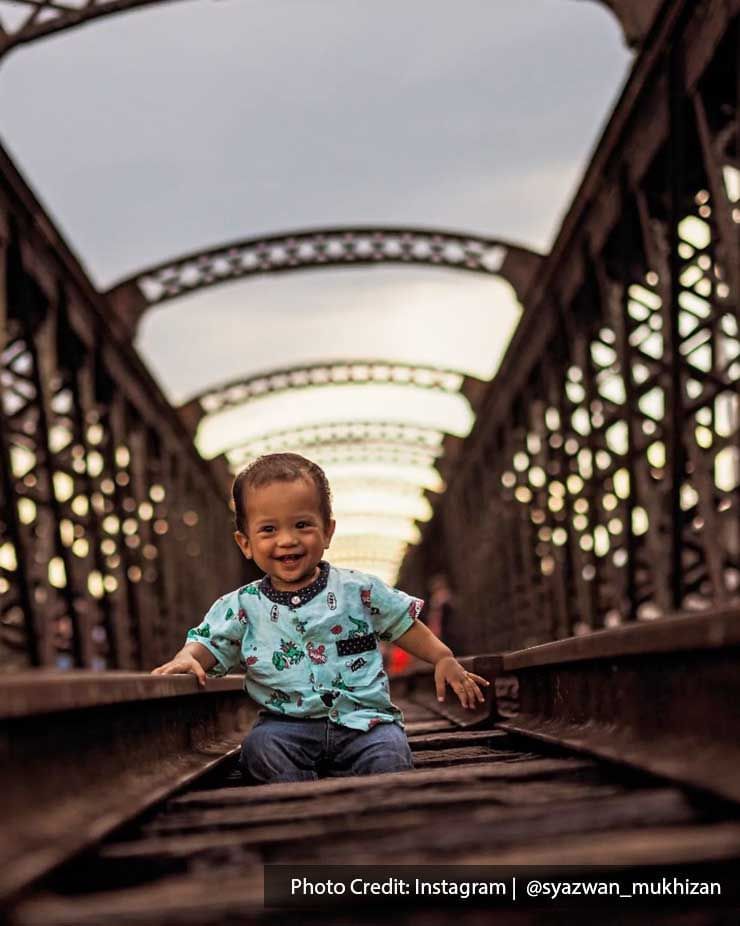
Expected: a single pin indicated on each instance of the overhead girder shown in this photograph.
(327, 454)
(334, 373)
(320, 248)
(36, 19)
(362, 438)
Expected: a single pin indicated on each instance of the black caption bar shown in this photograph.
(331, 886)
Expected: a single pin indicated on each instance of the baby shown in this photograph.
(308, 634)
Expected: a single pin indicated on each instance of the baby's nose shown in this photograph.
(286, 538)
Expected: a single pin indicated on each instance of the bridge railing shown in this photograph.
(601, 483)
(113, 537)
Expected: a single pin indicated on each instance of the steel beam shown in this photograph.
(390, 434)
(332, 373)
(662, 696)
(141, 738)
(320, 248)
(626, 368)
(87, 496)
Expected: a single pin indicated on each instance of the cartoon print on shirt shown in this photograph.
(361, 628)
(346, 679)
(338, 682)
(274, 613)
(356, 664)
(367, 601)
(278, 699)
(289, 654)
(317, 654)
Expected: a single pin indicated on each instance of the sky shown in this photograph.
(187, 124)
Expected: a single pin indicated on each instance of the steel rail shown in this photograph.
(83, 753)
(660, 696)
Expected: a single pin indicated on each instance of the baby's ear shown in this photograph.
(242, 541)
(330, 528)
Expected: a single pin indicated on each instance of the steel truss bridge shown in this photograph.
(583, 549)
(600, 482)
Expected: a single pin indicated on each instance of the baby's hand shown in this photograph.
(448, 671)
(181, 664)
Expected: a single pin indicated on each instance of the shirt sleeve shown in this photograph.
(392, 611)
(221, 632)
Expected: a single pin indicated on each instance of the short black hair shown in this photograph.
(278, 467)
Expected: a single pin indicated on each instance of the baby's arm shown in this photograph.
(422, 643)
(192, 658)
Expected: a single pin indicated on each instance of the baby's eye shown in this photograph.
(267, 529)
(301, 524)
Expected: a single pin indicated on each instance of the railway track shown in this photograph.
(494, 789)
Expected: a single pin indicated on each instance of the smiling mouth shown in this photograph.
(290, 559)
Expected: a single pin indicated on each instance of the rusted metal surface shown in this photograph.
(663, 697)
(82, 755)
(715, 630)
(601, 482)
(475, 797)
(28, 694)
(113, 532)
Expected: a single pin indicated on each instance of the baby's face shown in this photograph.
(286, 534)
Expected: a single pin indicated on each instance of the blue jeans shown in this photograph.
(289, 749)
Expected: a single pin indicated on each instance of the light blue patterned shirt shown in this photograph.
(312, 653)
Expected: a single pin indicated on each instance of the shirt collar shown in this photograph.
(300, 596)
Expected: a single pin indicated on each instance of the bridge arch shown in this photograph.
(319, 248)
(346, 440)
(239, 391)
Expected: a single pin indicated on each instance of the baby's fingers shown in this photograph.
(476, 691)
(470, 692)
(464, 692)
